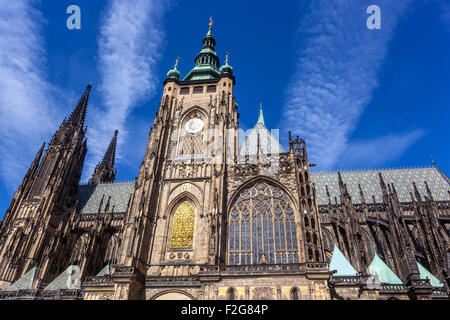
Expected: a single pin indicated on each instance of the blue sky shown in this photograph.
(361, 98)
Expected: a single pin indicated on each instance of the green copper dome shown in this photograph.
(174, 73)
(226, 68)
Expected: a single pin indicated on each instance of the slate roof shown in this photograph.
(90, 196)
(401, 178)
(268, 143)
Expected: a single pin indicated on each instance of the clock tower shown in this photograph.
(174, 219)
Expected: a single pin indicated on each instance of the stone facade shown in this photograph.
(206, 219)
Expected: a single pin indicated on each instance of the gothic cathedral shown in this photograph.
(211, 218)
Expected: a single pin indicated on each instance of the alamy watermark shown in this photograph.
(74, 20)
(374, 20)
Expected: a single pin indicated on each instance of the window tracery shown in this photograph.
(111, 250)
(262, 227)
(79, 251)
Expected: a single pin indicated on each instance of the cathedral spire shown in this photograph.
(261, 114)
(34, 166)
(105, 172)
(79, 113)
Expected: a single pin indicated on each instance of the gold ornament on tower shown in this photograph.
(183, 226)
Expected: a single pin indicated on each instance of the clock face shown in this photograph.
(194, 125)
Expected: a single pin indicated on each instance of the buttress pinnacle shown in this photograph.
(105, 172)
(78, 115)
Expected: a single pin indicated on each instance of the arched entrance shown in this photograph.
(173, 295)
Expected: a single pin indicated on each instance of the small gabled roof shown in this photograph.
(340, 263)
(385, 274)
(104, 272)
(424, 274)
(25, 282)
(65, 280)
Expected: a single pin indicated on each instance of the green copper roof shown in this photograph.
(385, 274)
(25, 282)
(104, 271)
(206, 62)
(340, 263)
(66, 280)
(268, 144)
(261, 115)
(174, 73)
(424, 274)
(226, 68)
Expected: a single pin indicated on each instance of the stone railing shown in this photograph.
(439, 291)
(421, 283)
(393, 287)
(35, 294)
(169, 281)
(98, 281)
(346, 279)
(263, 269)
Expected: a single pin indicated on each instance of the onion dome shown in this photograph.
(226, 68)
(174, 73)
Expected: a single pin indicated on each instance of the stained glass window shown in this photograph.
(262, 227)
(183, 226)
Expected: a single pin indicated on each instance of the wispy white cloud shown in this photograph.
(129, 46)
(27, 111)
(376, 152)
(337, 69)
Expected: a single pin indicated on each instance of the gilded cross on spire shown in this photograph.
(211, 22)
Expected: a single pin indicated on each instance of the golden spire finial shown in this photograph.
(211, 22)
(226, 56)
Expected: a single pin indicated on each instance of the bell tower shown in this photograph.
(174, 216)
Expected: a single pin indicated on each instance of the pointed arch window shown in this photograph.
(262, 227)
(231, 294)
(183, 226)
(111, 250)
(192, 134)
(295, 294)
(79, 252)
